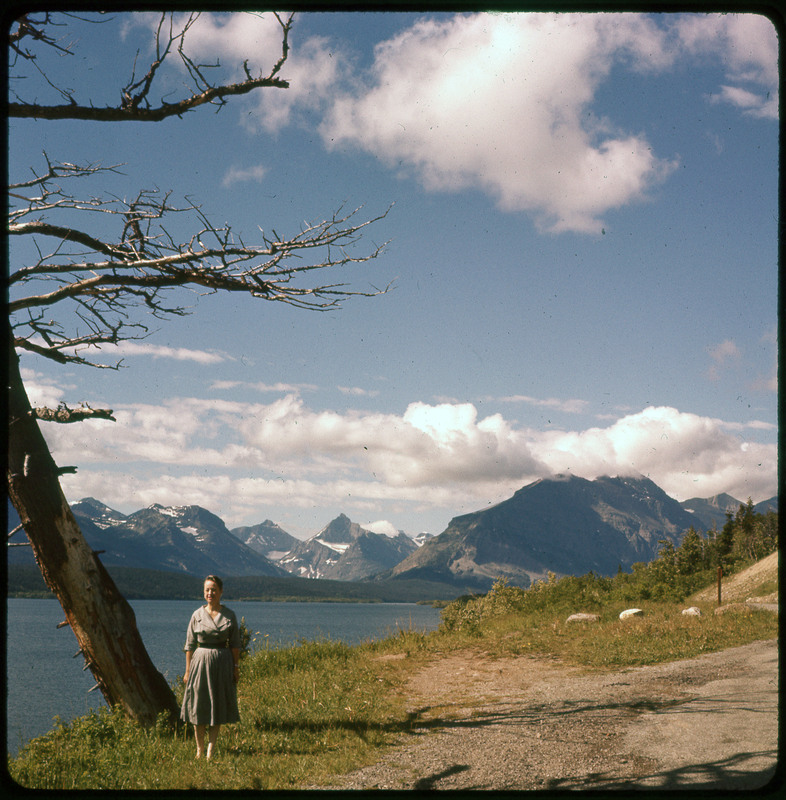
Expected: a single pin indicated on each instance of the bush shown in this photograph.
(468, 614)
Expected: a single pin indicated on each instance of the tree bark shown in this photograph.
(100, 617)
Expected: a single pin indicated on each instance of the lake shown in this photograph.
(45, 680)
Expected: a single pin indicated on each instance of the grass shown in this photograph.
(318, 709)
(765, 588)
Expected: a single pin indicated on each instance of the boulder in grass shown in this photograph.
(693, 611)
(738, 607)
(583, 617)
(631, 612)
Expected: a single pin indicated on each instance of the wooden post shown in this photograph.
(720, 575)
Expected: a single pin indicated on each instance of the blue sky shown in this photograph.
(582, 245)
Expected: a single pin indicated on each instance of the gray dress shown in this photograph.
(211, 696)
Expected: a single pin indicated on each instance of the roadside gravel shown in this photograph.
(532, 723)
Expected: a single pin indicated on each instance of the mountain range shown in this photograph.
(178, 539)
(565, 525)
(344, 551)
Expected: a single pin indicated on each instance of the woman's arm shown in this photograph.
(188, 664)
(236, 659)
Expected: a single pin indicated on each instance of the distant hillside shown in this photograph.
(760, 580)
(567, 525)
(766, 505)
(141, 584)
(711, 512)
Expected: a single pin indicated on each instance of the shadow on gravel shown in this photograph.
(425, 717)
(733, 773)
(429, 717)
(425, 784)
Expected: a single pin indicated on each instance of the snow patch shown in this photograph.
(107, 522)
(191, 529)
(338, 548)
(168, 512)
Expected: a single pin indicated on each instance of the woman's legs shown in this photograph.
(212, 733)
(199, 730)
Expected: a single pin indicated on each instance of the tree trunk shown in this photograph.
(100, 617)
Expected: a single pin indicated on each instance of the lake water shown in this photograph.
(45, 680)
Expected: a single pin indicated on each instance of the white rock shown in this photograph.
(693, 611)
(631, 612)
(582, 617)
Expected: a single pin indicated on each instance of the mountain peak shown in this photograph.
(566, 524)
(101, 515)
(340, 531)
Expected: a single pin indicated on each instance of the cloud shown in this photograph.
(43, 391)
(685, 454)
(242, 174)
(721, 355)
(246, 456)
(234, 38)
(356, 391)
(381, 526)
(571, 406)
(500, 102)
(769, 383)
(497, 102)
(128, 348)
(747, 45)
(311, 68)
(724, 351)
(263, 387)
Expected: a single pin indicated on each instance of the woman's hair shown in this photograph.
(215, 580)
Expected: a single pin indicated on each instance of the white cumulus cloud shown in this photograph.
(221, 453)
(687, 455)
(500, 101)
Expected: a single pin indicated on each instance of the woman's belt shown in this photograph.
(213, 646)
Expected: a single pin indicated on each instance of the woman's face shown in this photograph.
(212, 593)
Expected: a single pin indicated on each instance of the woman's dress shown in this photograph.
(211, 695)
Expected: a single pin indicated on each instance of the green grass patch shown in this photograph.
(765, 588)
(307, 711)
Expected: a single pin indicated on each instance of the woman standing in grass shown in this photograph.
(212, 654)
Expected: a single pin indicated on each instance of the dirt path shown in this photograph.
(532, 723)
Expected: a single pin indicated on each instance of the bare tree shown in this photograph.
(103, 268)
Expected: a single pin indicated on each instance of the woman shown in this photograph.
(212, 655)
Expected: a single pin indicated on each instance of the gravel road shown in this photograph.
(532, 723)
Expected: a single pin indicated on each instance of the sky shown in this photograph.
(581, 253)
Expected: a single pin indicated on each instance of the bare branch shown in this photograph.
(106, 281)
(68, 235)
(63, 414)
(30, 27)
(135, 105)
